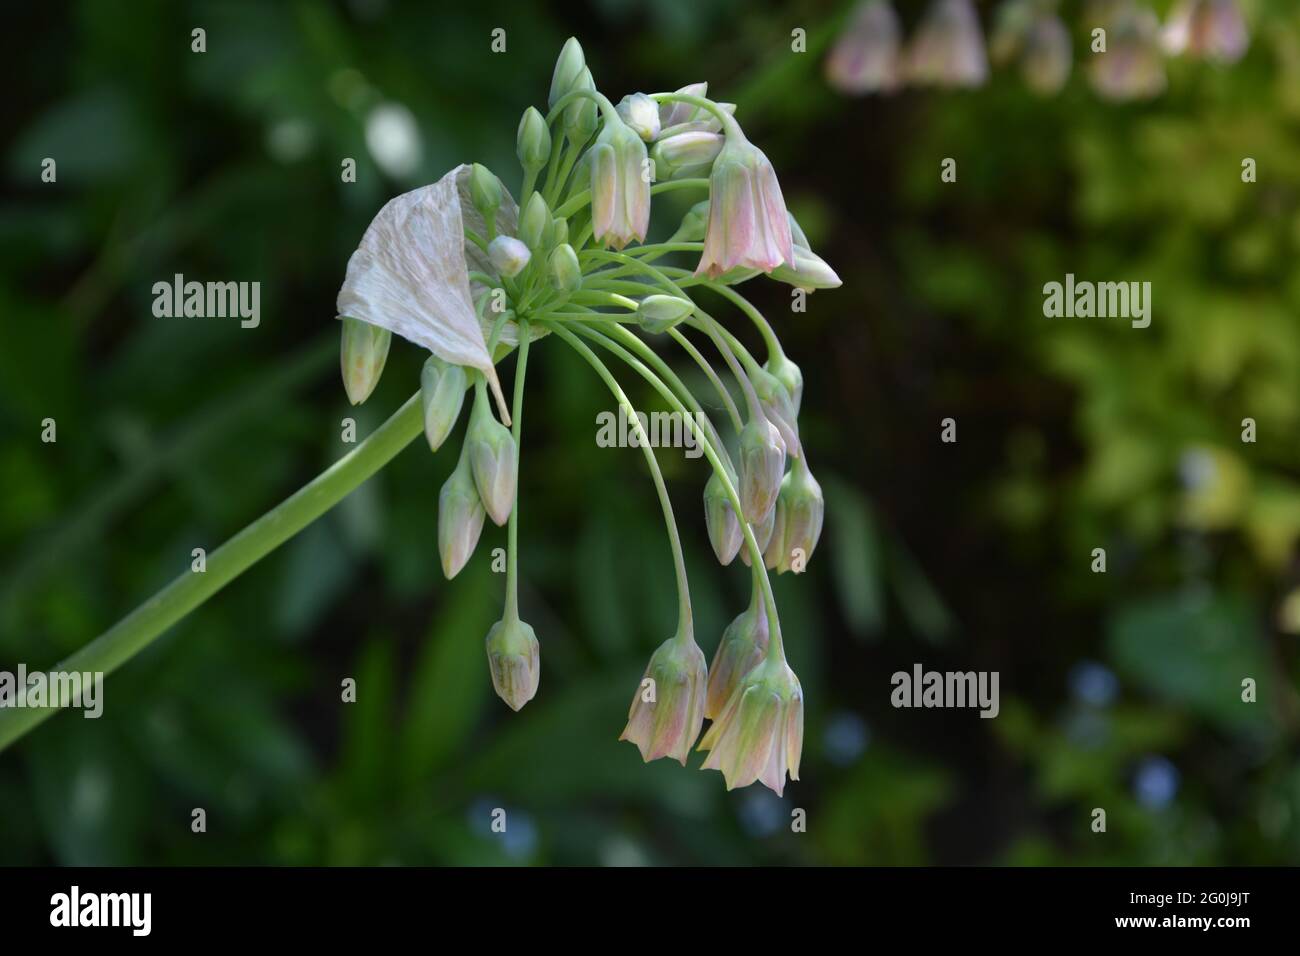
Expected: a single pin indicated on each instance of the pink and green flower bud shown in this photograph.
(568, 70)
(759, 735)
(674, 114)
(721, 521)
(460, 518)
(620, 189)
(566, 274)
(362, 355)
(800, 512)
(484, 191)
(748, 222)
(789, 375)
(641, 114)
(778, 406)
(948, 47)
(442, 393)
(581, 117)
(659, 313)
(494, 459)
(867, 57)
(761, 465)
(763, 532)
(667, 710)
(535, 223)
(514, 659)
(741, 649)
(508, 255)
(684, 155)
(693, 224)
(533, 141)
(808, 272)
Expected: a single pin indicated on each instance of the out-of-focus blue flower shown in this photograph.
(1156, 783)
(762, 812)
(845, 739)
(1094, 684)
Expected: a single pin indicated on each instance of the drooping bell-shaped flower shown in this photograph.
(460, 518)
(741, 649)
(759, 734)
(1133, 67)
(948, 47)
(442, 393)
(514, 660)
(667, 710)
(1045, 62)
(362, 355)
(640, 113)
(620, 186)
(494, 459)
(866, 57)
(1208, 29)
(720, 519)
(761, 464)
(748, 222)
(800, 511)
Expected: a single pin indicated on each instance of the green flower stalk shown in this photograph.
(571, 268)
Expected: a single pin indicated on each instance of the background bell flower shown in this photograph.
(533, 141)
(800, 511)
(720, 519)
(493, 458)
(1208, 29)
(535, 223)
(1133, 66)
(442, 392)
(759, 734)
(789, 375)
(739, 652)
(641, 114)
(689, 154)
(659, 313)
(948, 47)
(508, 255)
(460, 518)
(668, 723)
(748, 222)
(761, 465)
(514, 660)
(362, 355)
(566, 274)
(620, 192)
(867, 56)
(1045, 62)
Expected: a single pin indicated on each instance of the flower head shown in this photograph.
(620, 185)
(514, 660)
(721, 521)
(668, 708)
(865, 58)
(748, 222)
(759, 734)
(762, 462)
(800, 510)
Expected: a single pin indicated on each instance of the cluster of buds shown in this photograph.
(947, 47)
(463, 270)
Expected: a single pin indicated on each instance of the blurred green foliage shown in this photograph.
(1119, 690)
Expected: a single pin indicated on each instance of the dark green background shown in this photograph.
(1072, 435)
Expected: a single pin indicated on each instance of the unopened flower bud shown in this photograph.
(667, 710)
(484, 191)
(568, 68)
(508, 255)
(494, 459)
(800, 511)
(809, 272)
(535, 223)
(559, 232)
(720, 519)
(762, 463)
(659, 313)
(739, 652)
(778, 406)
(788, 374)
(514, 660)
(460, 518)
(685, 155)
(442, 392)
(674, 114)
(693, 223)
(620, 191)
(533, 141)
(759, 734)
(581, 117)
(566, 274)
(362, 356)
(640, 113)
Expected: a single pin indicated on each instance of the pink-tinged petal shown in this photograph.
(773, 775)
(778, 220)
(794, 736)
(603, 190)
(739, 214)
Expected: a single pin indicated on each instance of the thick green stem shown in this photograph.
(150, 620)
(512, 533)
